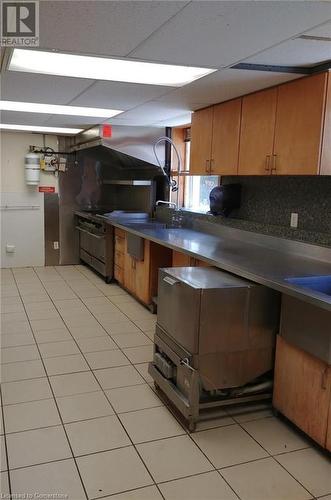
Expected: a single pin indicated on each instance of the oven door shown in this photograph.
(94, 244)
(178, 311)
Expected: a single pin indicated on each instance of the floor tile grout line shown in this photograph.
(2, 413)
(116, 305)
(59, 413)
(82, 419)
(93, 314)
(119, 422)
(185, 431)
(121, 349)
(200, 431)
(272, 457)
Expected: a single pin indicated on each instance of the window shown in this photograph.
(197, 189)
(193, 191)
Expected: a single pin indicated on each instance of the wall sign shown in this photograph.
(46, 189)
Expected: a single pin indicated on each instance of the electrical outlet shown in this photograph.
(10, 248)
(55, 245)
(294, 220)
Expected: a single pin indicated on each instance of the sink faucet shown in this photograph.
(170, 203)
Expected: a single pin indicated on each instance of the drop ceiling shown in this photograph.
(215, 34)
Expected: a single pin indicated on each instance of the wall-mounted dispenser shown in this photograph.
(32, 168)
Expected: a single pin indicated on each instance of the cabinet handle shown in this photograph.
(274, 163)
(207, 165)
(267, 163)
(324, 378)
(212, 161)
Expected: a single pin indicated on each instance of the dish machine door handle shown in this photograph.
(170, 281)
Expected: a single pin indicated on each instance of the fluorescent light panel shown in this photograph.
(56, 109)
(45, 130)
(100, 68)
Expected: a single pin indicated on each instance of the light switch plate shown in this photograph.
(55, 245)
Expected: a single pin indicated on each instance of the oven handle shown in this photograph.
(90, 234)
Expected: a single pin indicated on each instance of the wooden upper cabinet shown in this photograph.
(201, 136)
(225, 138)
(325, 168)
(299, 126)
(257, 132)
(284, 130)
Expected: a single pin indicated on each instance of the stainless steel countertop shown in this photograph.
(257, 263)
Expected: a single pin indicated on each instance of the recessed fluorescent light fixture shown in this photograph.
(55, 109)
(102, 68)
(43, 130)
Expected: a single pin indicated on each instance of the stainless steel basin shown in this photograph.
(321, 284)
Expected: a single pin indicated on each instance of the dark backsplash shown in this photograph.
(267, 203)
(270, 200)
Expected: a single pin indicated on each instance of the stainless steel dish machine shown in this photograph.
(214, 340)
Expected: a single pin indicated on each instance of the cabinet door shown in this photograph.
(299, 125)
(326, 149)
(129, 273)
(201, 136)
(142, 275)
(180, 259)
(201, 263)
(160, 256)
(257, 132)
(328, 435)
(302, 389)
(225, 138)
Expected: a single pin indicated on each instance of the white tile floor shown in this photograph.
(80, 417)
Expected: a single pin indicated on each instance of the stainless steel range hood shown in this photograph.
(128, 153)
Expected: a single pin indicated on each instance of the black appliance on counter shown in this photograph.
(224, 199)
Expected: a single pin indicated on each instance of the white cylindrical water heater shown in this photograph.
(32, 168)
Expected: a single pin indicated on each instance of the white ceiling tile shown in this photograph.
(18, 118)
(101, 27)
(324, 30)
(29, 87)
(72, 121)
(176, 121)
(150, 112)
(297, 52)
(223, 85)
(220, 33)
(117, 95)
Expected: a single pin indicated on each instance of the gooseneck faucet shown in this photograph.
(170, 203)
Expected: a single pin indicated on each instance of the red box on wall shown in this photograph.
(46, 189)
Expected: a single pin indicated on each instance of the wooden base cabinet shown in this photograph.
(302, 391)
(180, 259)
(139, 277)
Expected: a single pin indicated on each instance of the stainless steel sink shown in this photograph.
(321, 284)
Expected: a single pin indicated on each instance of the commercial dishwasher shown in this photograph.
(214, 340)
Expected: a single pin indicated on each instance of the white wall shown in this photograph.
(23, 228)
